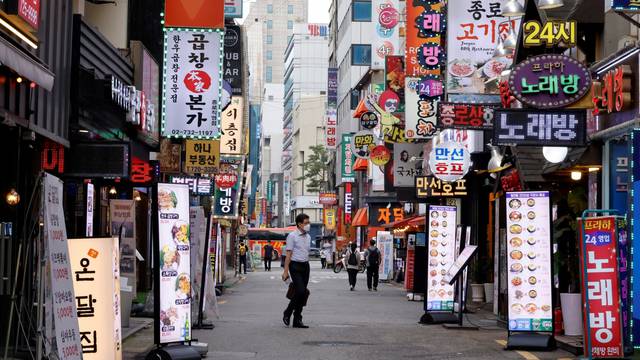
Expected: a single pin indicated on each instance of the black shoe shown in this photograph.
(286, 319)
(299, 325)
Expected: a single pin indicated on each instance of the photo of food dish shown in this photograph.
(434, 223)
(442, 293)
(515, 216)
(445, 223)
(180, 232)
(461, 68)
(444, 214)
(434, 214)
(433, 243)
(170, 258)
(546, 308)
(169, 316)
(433, 252)
(183, 286)
(533, 294)
(531, 229)
(516, 268)
(167, 200)
(531, 255)
(519, 294)
(516, 254)
(516, 281)
(515, 204)
(531, 202)
(515, 229)
(516, 308)
(433, 262)
(434, 233)
(531, 308)
(516, 242)
(531, 241)
(532, 280)
(532, 267)
(443, 272)
(493, 68)
(433, 293)
(433, 273)
(531, 215)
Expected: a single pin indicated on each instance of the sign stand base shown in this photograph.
(174, 352)
(432, 318)
(459, 327)
(531, 341)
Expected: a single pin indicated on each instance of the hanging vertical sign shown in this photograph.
(233, 58)
(69, 342)
(96, 283)
(122, 215)
(348, 158)
(420, 112)
(227, 199)
(441, 250)
(348, 203)
(174, 319)
(193, 82)
(331, 129)
(386, 41)
(423, 38)
(194, 14)
(89, 212)
(385, 244)
(232, 124)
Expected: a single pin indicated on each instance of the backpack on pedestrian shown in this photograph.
(243, 250)
(353, 260)
(374, 258)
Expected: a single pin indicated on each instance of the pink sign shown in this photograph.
(29, 11)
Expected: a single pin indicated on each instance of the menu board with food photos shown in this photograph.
(529, 261)
(175, 268)
(441, 249)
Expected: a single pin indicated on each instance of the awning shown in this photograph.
(360, 109)
(361, 218)
(24, 65)
(413, 221)
(360, 164)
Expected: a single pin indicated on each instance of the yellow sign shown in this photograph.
(201, 156)
(550, 33)
(330, 218)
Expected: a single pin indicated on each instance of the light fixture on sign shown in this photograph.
(555, 154)
(511, 41)
(136, 195)
(549, 4)
(593, 169)
(12, 198)
(501, 51)
(513, 8)
(576, 175)
(496, 160)
(18, 33)
(113, 190)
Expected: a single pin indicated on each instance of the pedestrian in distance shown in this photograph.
(353, 263)
(268, 253)
(242, 250)
(372, 259)
(297, 267)
(323, 258)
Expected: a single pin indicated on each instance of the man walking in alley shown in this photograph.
(353, 264)
(297, 266)
(242, 250)
(268, 253)
(372, 258)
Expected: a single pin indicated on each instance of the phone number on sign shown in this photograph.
(192, 132)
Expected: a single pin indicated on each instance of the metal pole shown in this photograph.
(41, 263)
(13, 300)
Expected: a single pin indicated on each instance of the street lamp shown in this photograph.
(513, 8)
(550, 4)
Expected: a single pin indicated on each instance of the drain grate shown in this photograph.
(333, 343)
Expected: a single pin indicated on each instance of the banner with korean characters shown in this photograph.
(62, 315)
(603, 260)
(330, 216)
(386, 41)
(201, 156)
(122, 216)
(197, 185)
(385, 245)
(231, 133)
(95, 263)
(449, 161)
(331, 129)
(428, 187)
(348, 158)
(174, 319)
(407, 164)
(421, 113)
(473, 33)
(424, 29)
(539, 127)
(529, 261)
(441, 249)
(192, 89)
(227, 200)
(466, 116)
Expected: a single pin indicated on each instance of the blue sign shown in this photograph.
(618, 175)
(635, 232)
(629, 5)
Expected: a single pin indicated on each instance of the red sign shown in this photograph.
(466, 116)
(409, 270)
(29, 11)
(141, 171)
(613, 92)
(389, 17)
(194, 14)
(328, 198)
(52, 157)
(226, 180)
(603, 288)
(380, 155)
(348, 202)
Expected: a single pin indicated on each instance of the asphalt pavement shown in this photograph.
(344, 325)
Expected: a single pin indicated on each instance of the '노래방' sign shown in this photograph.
(549, 81)
(441, 249)
(540, 127)
(613, 92)
(430, 186)
(191, 92)
(231, 127)
(549, 34)
(423, 51)
(201, 156)
(466, 116)
(449, 161)
(331, 129)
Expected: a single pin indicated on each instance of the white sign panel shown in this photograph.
(96, 268)
(123, 224)
(407, 164)
(193, 79)
(420, 114)
(306, 202)
(232, 119)
(441, 248)
(89, 214)
(386, 42)
(449, 161)
(232, 9)
(197, 236)
(385, 245)
(331, 129)
(67, 335)
(529, 261)
(175, 263)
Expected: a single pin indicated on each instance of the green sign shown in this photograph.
(348, 158)
(269, 191)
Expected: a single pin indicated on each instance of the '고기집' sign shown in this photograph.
(429, 186)
(540, 127)
(466, 116)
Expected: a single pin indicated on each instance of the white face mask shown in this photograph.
(307, 228)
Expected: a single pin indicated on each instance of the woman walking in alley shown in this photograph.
(353, 259)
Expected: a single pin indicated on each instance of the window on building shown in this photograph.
(289, 9)
(289, 24)
(269, 55)
(361, 55)
(361, 10)
(270, 41)
(270, 97)
(355, 98)
(269, 77)
(269, 24)
(270, 8)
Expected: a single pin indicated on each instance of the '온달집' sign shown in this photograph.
(604, 319)
(549, 81)
(231, 134)
(466, 116)
(540, 127)
(63, 312)
(201, 156)
(95, 263)
(449, 161)
(529, 261)
(430, 186)
(175, 264)
(441, 249)
(613, 92)
(193, 73)
(549, 34)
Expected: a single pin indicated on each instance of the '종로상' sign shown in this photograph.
(540, 127)
(466, 116)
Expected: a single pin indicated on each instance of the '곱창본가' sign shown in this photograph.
(549, 81)
(191, 93)
(529, 261)
(466, 116)
(605, 320)
(441, 248)
(449, 161)
(540, 127)
(430, 186)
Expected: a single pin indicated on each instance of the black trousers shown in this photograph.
(353, 276)
(282, 259)
(243, 262)
(267, 263)
(300, 277)
(372, 274)
(323, 261)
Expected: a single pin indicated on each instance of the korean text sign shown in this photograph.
(175, 263)
(63, 312)
(348, 158)
(201, 156)
(227, 199)
(449, 161)
(197, 185)
(529, 261)
(331, 129)
(380, 214)
(421, 114)
(441, 250)
(386, 41)
(474, 28)
(96, 282)
(407, 164)
(430, 187)
(425, 24)
(604, 320)
(466, 116)
(232, 124)
(540, 127)
(193, 78)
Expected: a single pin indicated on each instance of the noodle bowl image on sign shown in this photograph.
(380, 155)
(363, 142)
